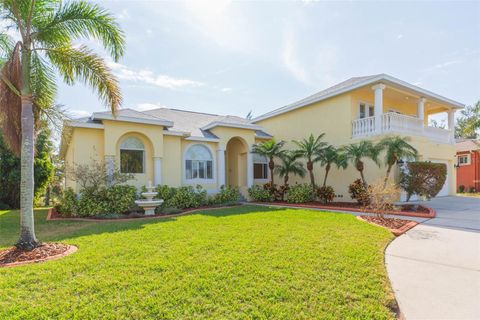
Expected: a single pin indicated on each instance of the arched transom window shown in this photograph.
(198, 163)
(132, 156)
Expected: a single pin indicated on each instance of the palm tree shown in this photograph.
(270, 149)
(396, 148)
(356, 152)
(311, 149)
(332, 156)
(47, 31)
(289, 165)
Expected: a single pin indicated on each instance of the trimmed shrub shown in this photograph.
(68, 203)
(471, 190)
(325, 194)
(226, 195)
(381, 198)
(118, 199)
(461, 188)
(187, 197)
(260, 194)
(359, 192)
(300, 193)
(423, 178)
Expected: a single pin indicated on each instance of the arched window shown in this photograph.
(198, 163)
(132, 156)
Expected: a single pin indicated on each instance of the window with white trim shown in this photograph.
(132, 156)
(260, 167)
(463, 160)
(364, 108)
(198, 163)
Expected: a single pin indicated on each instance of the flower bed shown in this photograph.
(409, 210)
(47, 251)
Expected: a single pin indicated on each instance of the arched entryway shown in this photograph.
(236, 158)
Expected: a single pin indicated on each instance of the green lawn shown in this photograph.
(238, 263)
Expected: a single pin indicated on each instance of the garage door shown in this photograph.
(444, 191)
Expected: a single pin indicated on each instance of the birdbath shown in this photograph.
(149, 204)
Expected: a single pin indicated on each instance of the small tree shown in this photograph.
(381, 198)
(396, 148)
(423, 178)
(332, 156)
(289, 165)
(95, 175)
(270, 149)
(311, 149)
(355, 153)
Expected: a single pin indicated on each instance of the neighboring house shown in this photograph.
(176, 147)
(468, 164)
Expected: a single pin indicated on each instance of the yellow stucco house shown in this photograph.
(177, 147)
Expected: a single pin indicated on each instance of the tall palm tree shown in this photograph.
(332, 156)
(396, 148)
(270, 149)
(289, 165)
(357, 152)
(47, 30)
(311, 148)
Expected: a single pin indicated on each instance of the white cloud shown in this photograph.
(400, 36)
(123, 15)
(443, 65)
(226, 89)
(149, 77)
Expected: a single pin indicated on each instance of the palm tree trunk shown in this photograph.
(285, 180)
(389, 169)
(363, 178)
(327, 169)
(271, 166)
(28, 240)
(310, 171)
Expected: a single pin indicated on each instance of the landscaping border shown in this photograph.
(431, 214)
(51, 213)
(71, 250)
(396, 232)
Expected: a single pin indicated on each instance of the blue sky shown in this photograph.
(232, 57)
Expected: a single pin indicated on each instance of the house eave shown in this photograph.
(102, 116)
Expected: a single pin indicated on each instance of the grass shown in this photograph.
(237, 263)
(469, 194)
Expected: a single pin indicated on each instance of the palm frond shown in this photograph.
(44, 87)
(80, 19)
(6, 47)
(81, 63)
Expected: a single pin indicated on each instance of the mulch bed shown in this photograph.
(47, 251)
(396, 226)
(404, 209)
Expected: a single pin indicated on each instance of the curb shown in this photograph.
(72, 249)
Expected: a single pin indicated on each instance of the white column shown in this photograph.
(421, 108)
(221, 166)
(109, 166)
(378, 105)
(451, 124)
(157, 171)
(249, 169)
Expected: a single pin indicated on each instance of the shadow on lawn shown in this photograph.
(57, 230)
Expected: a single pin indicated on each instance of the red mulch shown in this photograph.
(43, 252)
(354, 205)
(389, 223)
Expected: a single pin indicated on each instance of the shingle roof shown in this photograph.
(467, 145)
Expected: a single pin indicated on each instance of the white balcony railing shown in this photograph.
(398, 123)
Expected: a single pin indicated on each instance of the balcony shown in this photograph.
(394, 123)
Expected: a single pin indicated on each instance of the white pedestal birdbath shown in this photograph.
(149, 204)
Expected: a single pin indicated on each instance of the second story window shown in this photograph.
(366, 110)
(464, 160)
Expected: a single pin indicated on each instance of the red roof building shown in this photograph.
(468, 165)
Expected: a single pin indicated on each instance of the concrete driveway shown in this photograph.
(435, 267)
